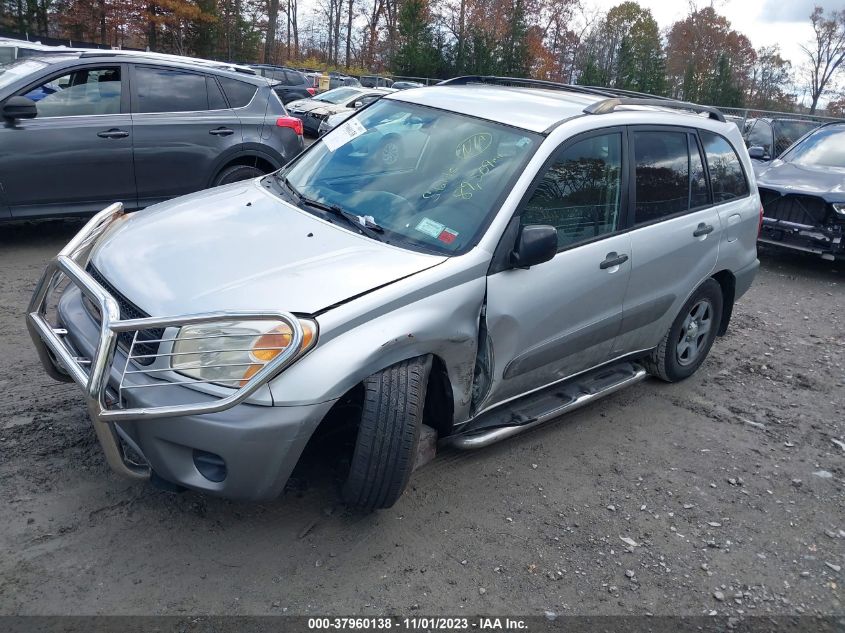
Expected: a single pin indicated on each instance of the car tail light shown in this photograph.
(291, 122)
(760, 223)
(311, 91)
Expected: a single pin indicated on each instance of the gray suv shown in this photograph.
(503, 270)
(84, 129)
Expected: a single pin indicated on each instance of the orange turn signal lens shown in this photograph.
(274, 342)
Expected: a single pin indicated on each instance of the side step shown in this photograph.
(540, 407)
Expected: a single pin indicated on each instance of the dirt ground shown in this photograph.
(729, 487)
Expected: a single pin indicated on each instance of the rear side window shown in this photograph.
(579, 193)
(239, 93)
(216, 101)
(726, 175)
(662, 165)
(294, 78)
(165, 90)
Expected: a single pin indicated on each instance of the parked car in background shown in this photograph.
(135, 127)
(337, 80)
(289, 84)
(544, 248)
(11, 50)
(374, 81)
(774, 135)
(405, 85)
(314, 111)
(803, 194)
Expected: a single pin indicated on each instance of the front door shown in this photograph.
(182, 126)
(561, 317)
(76, 155)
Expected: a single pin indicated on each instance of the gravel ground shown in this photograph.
(721, 494)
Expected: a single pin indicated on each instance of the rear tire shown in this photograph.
(236, 173)
(689, 339)
(386, 445)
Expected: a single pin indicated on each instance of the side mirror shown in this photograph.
(537, 243)
(18, 108)
(758, 152)
(358, 104)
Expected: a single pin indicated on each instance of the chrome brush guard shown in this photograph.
(105, 408)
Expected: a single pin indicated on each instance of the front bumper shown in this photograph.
(167, 426)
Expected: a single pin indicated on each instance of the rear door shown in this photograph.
(182, 124)
(675, 235)
(559, 318)
(76, 155)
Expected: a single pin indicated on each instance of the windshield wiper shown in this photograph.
(362, 223)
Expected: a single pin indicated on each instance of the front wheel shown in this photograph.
(388, 434)
(689, 339)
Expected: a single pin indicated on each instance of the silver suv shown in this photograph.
(498, 270)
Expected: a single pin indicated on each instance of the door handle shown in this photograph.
(113, 133)
(221, 131)
(612, 260)
(703, 229)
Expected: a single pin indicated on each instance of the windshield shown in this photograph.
(12, 72)
(823, 148)
(430, 179)
(338, 95)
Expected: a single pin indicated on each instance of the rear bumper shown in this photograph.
(258, 445)
(744, 277)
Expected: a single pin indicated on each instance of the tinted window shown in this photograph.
(726, 175)
(7, 55)
(83, 92)
(824, 148)
(579, 193)
(215, 95)
(238, 93)
(294, 78)
(662, 175)
(162, 90)
(760, 136)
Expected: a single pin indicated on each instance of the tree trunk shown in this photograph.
(272, 22)
(349, 33)
(103, 22)
(152, 29)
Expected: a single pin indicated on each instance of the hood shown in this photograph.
(239, 247)
(313, 105)
(785, 177)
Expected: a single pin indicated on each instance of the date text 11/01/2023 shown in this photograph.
(421, 623)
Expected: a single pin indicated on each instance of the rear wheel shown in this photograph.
(389, 431)
(689, 339)
(235, 173)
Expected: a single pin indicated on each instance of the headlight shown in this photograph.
(230, 353)
(839, 207)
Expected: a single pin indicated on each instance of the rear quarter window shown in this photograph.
(726, 174)
(239, 93)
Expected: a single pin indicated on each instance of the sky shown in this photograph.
(765, 22)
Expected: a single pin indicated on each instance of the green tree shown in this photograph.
(416, 54)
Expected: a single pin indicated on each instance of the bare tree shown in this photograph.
(825, 53)
(272, 22)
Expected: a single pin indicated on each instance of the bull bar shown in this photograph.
(61, 362)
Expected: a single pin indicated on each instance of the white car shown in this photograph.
(346, 99)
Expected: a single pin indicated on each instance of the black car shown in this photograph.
(84, 129)
(774, 135)
(290, 83)
(803, 194)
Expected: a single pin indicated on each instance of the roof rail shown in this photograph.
(167, 57)
(524, 83)
(609, 105)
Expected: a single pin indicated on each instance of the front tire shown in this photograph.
(689, 339)
(388, 434)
